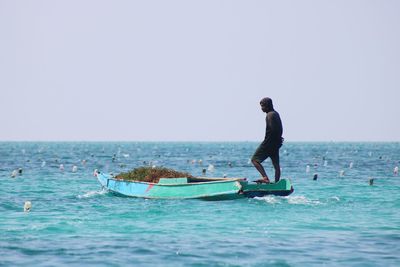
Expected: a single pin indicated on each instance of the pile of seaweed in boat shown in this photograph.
(151, 175)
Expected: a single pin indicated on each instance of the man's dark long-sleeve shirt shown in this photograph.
(273, 132)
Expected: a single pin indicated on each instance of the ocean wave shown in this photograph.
(92, 193)
(334, 198)
(302, 200)
(269, 199)
(296, 200)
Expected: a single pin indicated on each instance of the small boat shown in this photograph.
(199, 187)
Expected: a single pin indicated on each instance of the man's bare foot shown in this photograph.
(263, 180)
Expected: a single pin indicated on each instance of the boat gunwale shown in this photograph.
(213, 180)
(185, 184)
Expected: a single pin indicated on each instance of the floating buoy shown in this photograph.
(211, 168)
(27, 206)
(61, 167)
(371, 181)
(14, 173)
(308, 169)
(315, 176)
(74, 168)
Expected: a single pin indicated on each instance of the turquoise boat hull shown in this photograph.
(200, 188)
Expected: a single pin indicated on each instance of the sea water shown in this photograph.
(337, 220)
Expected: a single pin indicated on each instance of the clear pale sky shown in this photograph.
(196, 70)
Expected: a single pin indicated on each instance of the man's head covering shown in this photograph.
(266, 101)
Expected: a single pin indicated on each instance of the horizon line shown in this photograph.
(196, 141)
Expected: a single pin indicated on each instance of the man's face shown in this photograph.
(263, 107)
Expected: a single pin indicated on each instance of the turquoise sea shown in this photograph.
(337, 220)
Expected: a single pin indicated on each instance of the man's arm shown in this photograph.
(271, 121)
(275, 125)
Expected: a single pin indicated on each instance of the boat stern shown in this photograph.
(282, 188)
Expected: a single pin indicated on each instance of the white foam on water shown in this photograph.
(295, 200)
(301, 200)
(92, 193)
(335, 198)
(269, 199)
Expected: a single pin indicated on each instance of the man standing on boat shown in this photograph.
(272, 142)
